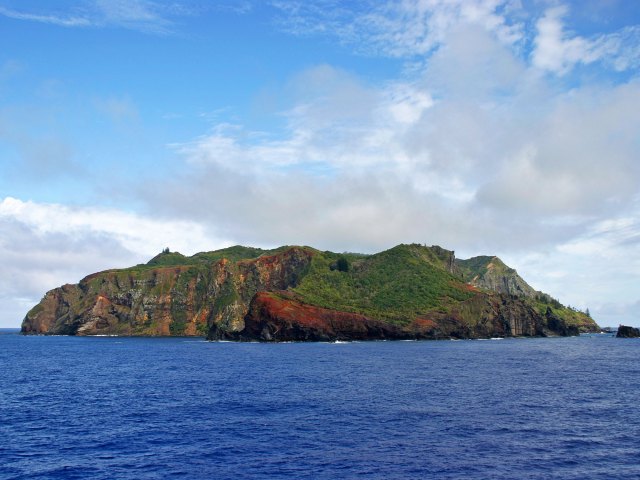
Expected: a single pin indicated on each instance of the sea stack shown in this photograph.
(628, 332)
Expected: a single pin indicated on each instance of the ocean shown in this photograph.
(158, 408)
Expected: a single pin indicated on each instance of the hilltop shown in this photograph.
(301, 293)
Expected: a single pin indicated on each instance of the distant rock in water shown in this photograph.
(628, 332)
(303, 294)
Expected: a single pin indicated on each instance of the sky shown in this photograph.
(489, 127)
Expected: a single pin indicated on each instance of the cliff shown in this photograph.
(295, 293)
(164, 298)
(492, 274)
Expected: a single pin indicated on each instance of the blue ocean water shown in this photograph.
(146, 408)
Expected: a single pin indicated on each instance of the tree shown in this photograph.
(587, 313)
(166, 250)
(342, 264)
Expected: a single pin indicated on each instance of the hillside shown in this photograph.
(300, 293)
(491, 273)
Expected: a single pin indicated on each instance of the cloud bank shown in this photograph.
(43, 246)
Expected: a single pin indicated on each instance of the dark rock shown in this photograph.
(559, 326)
(628, 332)
(279, 316)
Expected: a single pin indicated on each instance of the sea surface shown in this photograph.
(162, 408)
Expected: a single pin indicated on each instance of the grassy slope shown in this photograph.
(234, 254)
(477, 266)
(202, 259)
(570, 316)
(395, 285)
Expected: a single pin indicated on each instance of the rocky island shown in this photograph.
(295, 293)
(628, 332)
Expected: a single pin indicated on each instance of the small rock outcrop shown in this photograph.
(628, 332)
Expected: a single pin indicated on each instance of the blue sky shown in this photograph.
(499, 127)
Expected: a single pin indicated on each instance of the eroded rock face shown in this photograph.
(54, 314)
(490, 273)
(181, 300)
(279, 316)
(556, 324)
(486, 316)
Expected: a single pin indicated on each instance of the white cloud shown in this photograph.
(479, 131)
(620, 313)
(53, 19)
(407, 103)
(143, 15)
(418, 28)
(403, 28)
(558, 51)
(137, 234)
(598, 269)
(338, 123)
(576, 159)
(626, 45)
(43, 246)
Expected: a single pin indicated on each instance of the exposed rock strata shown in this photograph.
(490, 273)
(278, 316)
(176, 300)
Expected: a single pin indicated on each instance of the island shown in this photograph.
(299, 293)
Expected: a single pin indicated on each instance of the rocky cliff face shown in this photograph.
(295, 293)
(280, 316)
(168, 300)
(490, 273)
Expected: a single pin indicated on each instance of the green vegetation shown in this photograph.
(478, 266)
(396, 285)
(234, 254)
(177, 328)
(35, 310)
(570, 315)
(169, 259)
(543, 300)
(175, 259)
(485, 271)
(342, 264)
